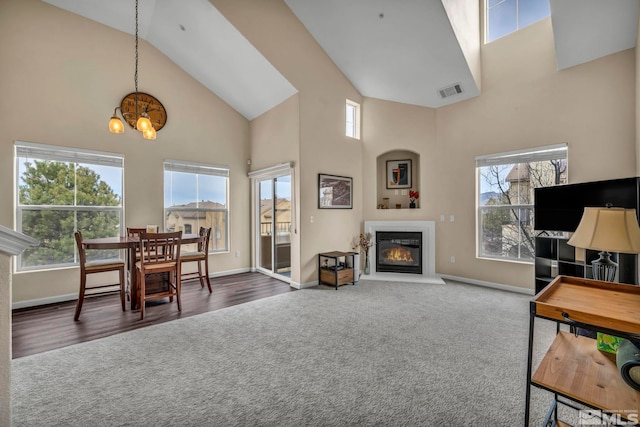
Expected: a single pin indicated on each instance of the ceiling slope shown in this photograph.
(195, 36)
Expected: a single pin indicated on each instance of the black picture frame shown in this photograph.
(335, 192)
(398, 174)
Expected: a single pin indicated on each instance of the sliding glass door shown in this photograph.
(273, 203)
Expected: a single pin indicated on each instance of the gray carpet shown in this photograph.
(374, 354)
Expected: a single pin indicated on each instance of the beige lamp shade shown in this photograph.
(608, 229)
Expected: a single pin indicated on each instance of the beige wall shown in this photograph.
(275, 139)
(275, 31)
(70, 80)
(525, 103)
(61, 77)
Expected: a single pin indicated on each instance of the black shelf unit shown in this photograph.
(558, 209)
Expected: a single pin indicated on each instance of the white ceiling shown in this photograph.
(406, 55)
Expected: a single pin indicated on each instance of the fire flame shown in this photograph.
(398, 254)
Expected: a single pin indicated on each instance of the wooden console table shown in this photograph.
(573, 369)
(334, 269)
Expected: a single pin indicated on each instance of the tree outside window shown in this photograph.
(505, 200)
(57, 196)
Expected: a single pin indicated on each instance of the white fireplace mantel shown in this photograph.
(428, 230)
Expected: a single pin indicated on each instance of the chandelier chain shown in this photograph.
(135, 78)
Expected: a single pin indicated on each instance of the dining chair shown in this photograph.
(200, 256)
(92, 267)
(159, 257)
(134, 232)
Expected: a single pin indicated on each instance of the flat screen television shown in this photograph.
(560, 208)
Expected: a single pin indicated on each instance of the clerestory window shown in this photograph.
(504, 17)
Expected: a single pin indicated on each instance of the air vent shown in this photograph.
(448, 91)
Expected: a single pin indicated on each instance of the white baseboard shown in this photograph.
(501, 286)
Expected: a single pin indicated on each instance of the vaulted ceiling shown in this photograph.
(397, 50)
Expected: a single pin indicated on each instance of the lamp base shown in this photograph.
(604, 268)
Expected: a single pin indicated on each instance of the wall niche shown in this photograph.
(398, 172)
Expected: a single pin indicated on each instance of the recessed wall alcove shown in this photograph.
(397, 163)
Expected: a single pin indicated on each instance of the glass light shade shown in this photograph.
(115, 125)
(149, 133)
(608, 229)
(143, 123)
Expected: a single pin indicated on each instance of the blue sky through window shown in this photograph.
(506, 16)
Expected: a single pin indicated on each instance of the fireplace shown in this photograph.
(426, 257)
(399, 252)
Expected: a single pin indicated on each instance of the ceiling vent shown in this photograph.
(448, 91)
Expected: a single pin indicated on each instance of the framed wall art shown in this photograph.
(398, 174)
(335, 192)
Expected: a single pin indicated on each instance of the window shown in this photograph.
(505, 198)
(506, 16)
(353, 119)
(196, 195)
(61, 190)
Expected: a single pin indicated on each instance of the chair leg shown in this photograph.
(122, 288)
(142, 294)
(178, 290)
(83, 284)
(206, 270)
(200, 274)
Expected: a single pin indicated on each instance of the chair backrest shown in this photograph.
(158, 248)
(81, 251)
(203, 245)
(135, 231)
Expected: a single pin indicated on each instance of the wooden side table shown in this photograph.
(334, 269)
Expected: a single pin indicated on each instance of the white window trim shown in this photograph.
(534, 154)
(202, 169)
(56, 153)
(356, 118)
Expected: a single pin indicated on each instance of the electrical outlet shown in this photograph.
(403, 192)
(452, 218)
(442, 218)
(237, 254)
(311, 219)
(453, 259)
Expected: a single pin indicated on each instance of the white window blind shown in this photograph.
(538, 154)
(67, 154)
(197, 168)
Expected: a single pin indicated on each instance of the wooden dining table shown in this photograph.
(130, 243)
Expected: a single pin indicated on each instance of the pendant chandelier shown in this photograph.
(141, 111)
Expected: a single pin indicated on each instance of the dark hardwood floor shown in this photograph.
(38, 329)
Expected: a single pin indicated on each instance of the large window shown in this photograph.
(61, 190)
(505, 198)
(506, 16)
(196, 195)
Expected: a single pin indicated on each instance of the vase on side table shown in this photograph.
(367, 266)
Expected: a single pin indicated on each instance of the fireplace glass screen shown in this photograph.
(399, 252)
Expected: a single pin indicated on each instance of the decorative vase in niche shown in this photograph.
(367, 267)
(412, 205)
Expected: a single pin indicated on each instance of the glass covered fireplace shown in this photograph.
(399, 252)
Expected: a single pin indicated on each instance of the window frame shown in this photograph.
(513, 158)
(181, 166)
(77, 156)
(355, 119)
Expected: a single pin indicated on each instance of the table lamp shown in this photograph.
(607, 229)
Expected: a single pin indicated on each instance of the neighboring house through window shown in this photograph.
(507, 16)
(61, 190)
(506, 183)
(196, 195)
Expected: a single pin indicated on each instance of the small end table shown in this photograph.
(335, 269)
